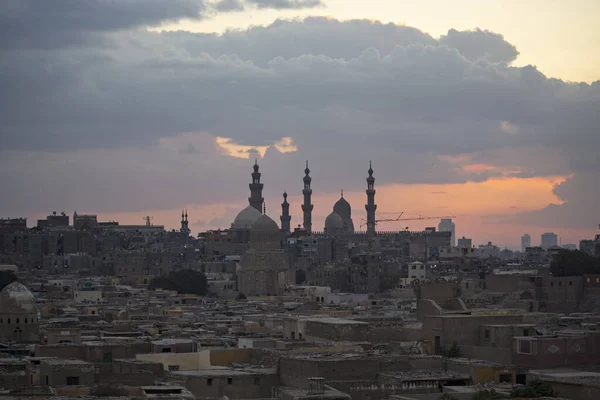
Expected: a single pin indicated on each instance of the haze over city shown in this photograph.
(487, 111)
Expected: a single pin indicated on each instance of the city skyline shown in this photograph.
(486, 114)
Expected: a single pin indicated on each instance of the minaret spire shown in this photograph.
(285, 214)
(370, 206)
(256, 199)
(307, 207)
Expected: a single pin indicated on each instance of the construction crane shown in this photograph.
(399, 218)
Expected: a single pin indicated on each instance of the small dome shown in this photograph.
(17, 299)
(342, 207)
(265, 224)
(334, 223)
(246, 218)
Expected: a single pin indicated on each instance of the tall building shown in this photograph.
(587, 246)
(465, 243)
(370, 206)
(446, 225)
(256, 199)
(307, 207)
(285, 214)
(525, 242)
(549, 239)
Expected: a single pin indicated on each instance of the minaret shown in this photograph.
(182, 229)
(370, 206)
(285, 214)
(307, 207)
(256, 199)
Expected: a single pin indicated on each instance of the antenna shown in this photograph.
(148, 220)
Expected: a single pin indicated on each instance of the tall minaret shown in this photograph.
(370, 206)
(285, 214)
(256, 199)
(307, 207)
(184, 222)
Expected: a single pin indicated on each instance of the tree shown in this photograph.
(6, 278)
(300, 276)
(574, 263)
(183, 281)
(109, 391)
(452, 352)
(534, 388)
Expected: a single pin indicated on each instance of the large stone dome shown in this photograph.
(17, 299)
(246, 218)
(342, 207)
(334, 224)
(265, 224)
(265, 233)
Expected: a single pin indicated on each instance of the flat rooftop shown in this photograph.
(227, 372)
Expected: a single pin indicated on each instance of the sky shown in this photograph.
(486, 111)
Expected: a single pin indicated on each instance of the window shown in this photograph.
(524, 346)
(588, 280)
(18, 320)
(487, 334)
(173, 367)
(72, 380)
(570, 283)
(209, 382)
(107, 358)
(166, 350)
(257, 381)
(560, 283)
(229, 381)
(551, 283)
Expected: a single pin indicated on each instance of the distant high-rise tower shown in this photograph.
(307, 207)
(184, 222)
(256, 199)
(525, 242)
(549, 239)
(285, 214)
(370, 206)
(446, 225)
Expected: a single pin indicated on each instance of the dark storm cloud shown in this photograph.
(356, 90)
(47, 24)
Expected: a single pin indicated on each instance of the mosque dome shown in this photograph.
(342, 207)
(265, 233)
(334, 223)
(265, 224)
(246, 218)
(17, 299)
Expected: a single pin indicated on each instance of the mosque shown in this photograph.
(338, 222)
(19, 320)
(265, 267)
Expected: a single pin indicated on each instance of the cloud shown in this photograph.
(285, 4)
(479, 43)
(229, 5)
(49, 24)
(509, 128)
(133, 109)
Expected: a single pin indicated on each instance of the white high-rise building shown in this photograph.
(549, 239)
(446, 225)
(525, 242)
